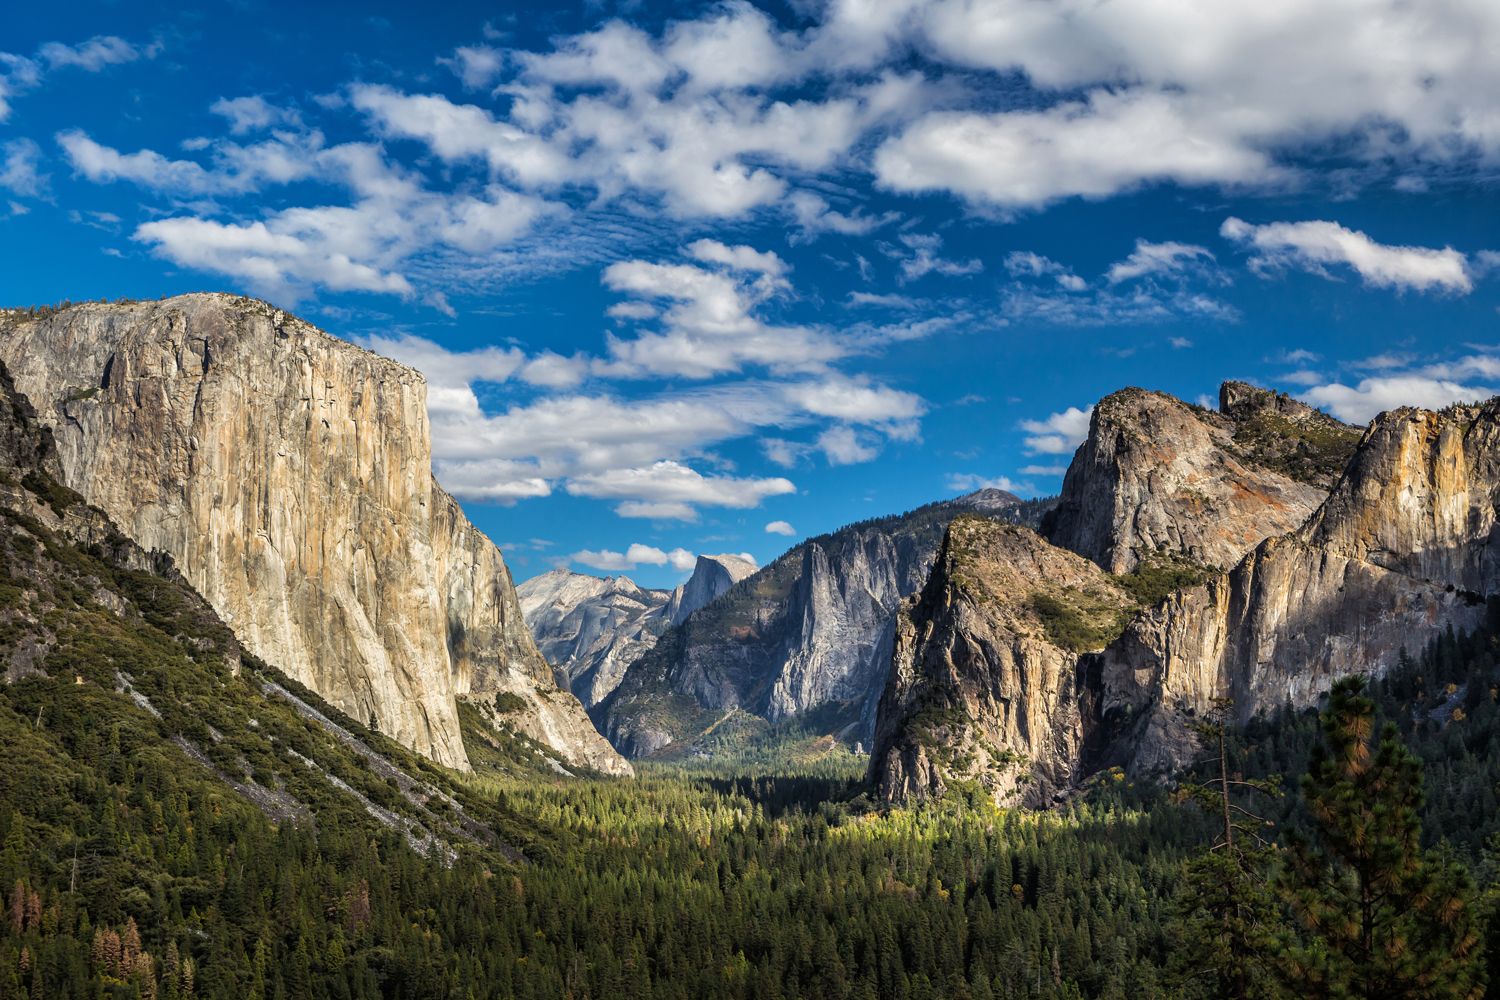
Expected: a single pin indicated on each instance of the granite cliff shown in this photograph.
(1157, 475)
(1209, 591)
(810, 632)
(288, 475)
(981, 686)
(592, 628)
(1403, 547)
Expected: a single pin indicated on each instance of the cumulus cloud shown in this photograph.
(476, 65)
(670, 489)
(252, 114)
(637, 554)
(844, 445)
(781, 528)
(1361, 402)
(1109, 143)
(367, 245)
(1317, 246)
(964, 482)
(1194, 95)
(1059, 433)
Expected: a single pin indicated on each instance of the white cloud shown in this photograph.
(738, 258)
(1109, 143)
(918, 256)
(1361, 402)
(781, 528)
(1043, 470)
(815, 216)
(843, 445)
(1315, 246)
(20, 172)
(19, 74)
(252, 114)
(93, 55)
(964, 482)
(1150, 259)
(675, 487)
(1058, 434)
(884, 300)
(476, 65)
(1220, 90)
(1025, 263)
(638, 554)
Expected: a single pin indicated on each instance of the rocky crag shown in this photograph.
(592, 628)
(981, 686)
(1403, 547)
(288, 474)
(1187, 512)
(1157, 475)
(812, 631)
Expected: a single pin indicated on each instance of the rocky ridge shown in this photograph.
(591, 628)
(1157, 475)
(288, 473)
(811, 631)
(1402, 547)
(981, 687)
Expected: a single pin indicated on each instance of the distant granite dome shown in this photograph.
(591, 628)
(712, 576)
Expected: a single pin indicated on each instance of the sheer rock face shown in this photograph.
(1157, 475)
(712, 576)
(980, 689)
(288, 474)
(812, 631)
(591, 628)
(1403, 547)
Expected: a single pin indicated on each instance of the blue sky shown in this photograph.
(715, 278)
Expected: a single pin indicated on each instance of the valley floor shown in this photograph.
(132, 871)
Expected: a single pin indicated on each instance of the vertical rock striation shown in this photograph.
(592, 628)
(288, 473)
(1403, 547)
(712, 576)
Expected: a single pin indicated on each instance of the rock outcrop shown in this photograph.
(288, 474)
(811, 632)
(982, 683)
(1405, 546)
(591, 628)
(1159, 476)
(712, 576)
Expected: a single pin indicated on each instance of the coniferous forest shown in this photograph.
(132, 871)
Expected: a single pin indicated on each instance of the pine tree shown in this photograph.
(1223, 932)
(1380, 917)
